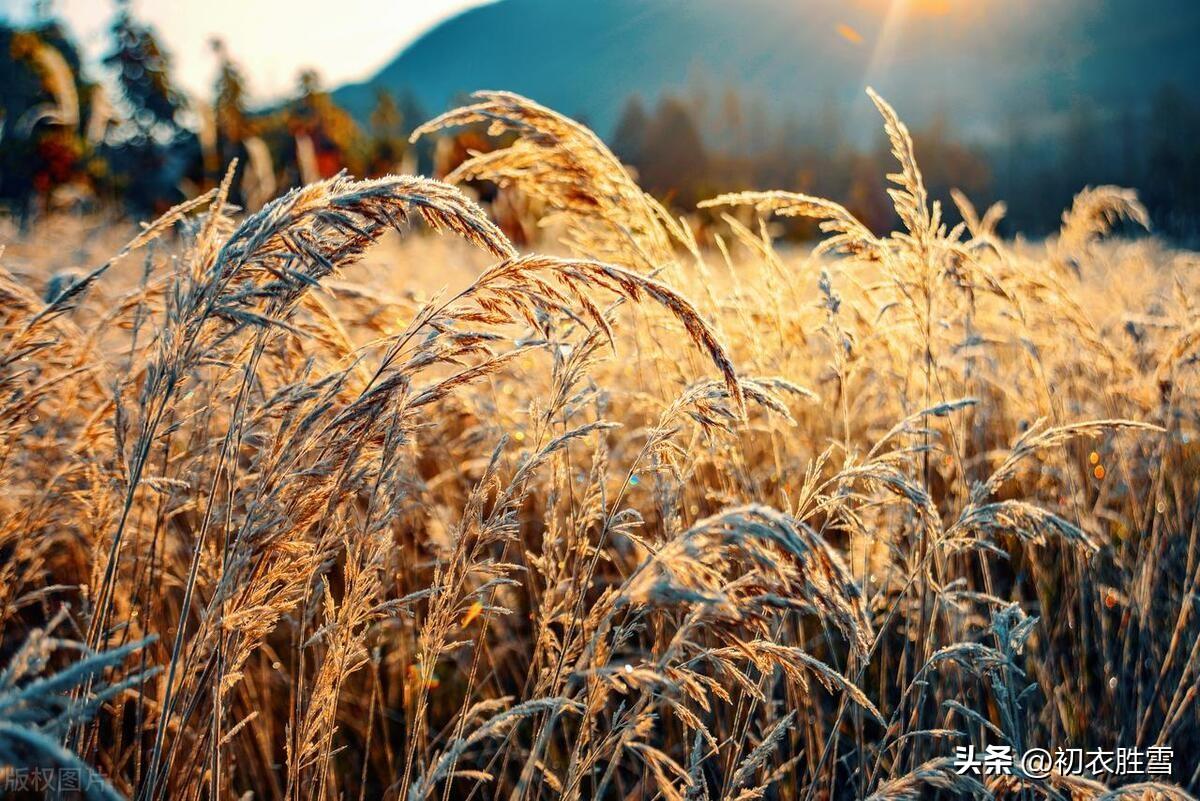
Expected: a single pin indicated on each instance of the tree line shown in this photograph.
(688, 146)
(137, 141)
(64, 142)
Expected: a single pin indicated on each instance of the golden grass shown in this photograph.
(295, 509)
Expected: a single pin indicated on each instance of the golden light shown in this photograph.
(887, 38)
(931, 8)
(849, 34)
(894, 14)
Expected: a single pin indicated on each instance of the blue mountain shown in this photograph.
(978, 64)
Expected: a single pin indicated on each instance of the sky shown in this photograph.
(271, 39)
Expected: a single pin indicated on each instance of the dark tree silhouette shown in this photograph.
(674, 158)
(153, 152)
(142, 71)
(629, 137)
(43, 101)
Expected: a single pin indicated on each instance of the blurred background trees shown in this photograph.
(126, 136)
(149, 152)
(63, 142)
(44, 108)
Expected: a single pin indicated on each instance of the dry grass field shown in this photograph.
(348, 499)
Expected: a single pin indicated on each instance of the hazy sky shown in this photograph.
(271, 39)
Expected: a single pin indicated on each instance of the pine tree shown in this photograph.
(41, 92)
(229, 97)
(675, 159)
(153, 152)
(335, 136)
(388, 141)
(143, 74)
(629, 138)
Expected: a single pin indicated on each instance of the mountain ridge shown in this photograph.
(978, 67)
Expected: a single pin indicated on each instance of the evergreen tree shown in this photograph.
(412, 114)
(1083, 154)
(335, 136)
(629, 138)
(388, 140)
(225, 132)
(732, 132)
(143, 74)
(1172, 176)
(675, 160)
(229, 97)
(43, 99)
(153, 152)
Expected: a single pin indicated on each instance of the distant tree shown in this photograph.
(758, 126)
(1171, 186)
(323, 131)
(228, 131)
(831, 135)
(412, 114)
(629, 137)
(1011, 162)
(152, 152)
(699, 96)
(865, 196)
(947, 163)
(1130, 136)
(142, 69)
(732, 131)
(388, 135)
(787, 151)
(411, 111)
(1083, 158)
(229, 97)
(386, 119)
(43, 101)
(675, 161)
